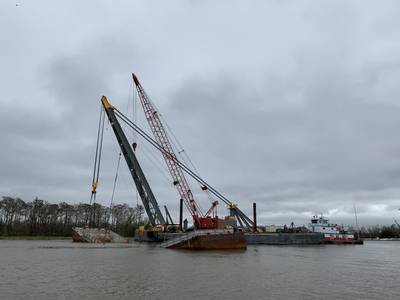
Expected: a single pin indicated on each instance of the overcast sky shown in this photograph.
(291, 104)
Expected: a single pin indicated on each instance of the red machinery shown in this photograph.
(200, 221)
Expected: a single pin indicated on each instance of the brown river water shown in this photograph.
(64, 270)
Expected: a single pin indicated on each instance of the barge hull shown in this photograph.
(344, 242)
(274, 238)
(265, 238)
(227, 241)
(155, 236)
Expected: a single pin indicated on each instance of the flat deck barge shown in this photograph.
(283, 238)
(265, 238)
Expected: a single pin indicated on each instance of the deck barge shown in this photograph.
(283, 238)
(264, 238)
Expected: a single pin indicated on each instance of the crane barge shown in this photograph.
(202, 239)
(253, 233)
(210, 231)
(177, 169)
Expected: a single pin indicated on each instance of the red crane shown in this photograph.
(200, 221)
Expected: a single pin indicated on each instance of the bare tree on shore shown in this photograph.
(40, 217)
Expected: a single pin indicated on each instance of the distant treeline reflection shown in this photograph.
(39, 217)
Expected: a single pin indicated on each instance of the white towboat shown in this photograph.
(332, 233)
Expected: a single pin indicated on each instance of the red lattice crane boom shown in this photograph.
(179, 180)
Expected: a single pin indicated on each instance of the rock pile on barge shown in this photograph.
(95, 235)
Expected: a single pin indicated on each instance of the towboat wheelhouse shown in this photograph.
(331, 232)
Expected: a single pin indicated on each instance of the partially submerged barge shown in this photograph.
(95, 235)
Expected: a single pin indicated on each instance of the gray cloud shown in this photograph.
(291, 105)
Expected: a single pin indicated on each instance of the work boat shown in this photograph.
(332, 233)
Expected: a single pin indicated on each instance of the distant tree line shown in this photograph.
(382, 232)
(39, 217)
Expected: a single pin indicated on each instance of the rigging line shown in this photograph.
(126, 184)
(179, 147)
(127, 113)
(209, 196)
(156, 164)
(128, 108)
(113, 191)
(187, 160)
(176, 144)
(134, 108)
(94, 184)
(145, 136)
(160, 148)
(131, 95)
(174, 140)
(156, 161)
(93, 197)
(148, 138)
(100, 149)
(115, 180)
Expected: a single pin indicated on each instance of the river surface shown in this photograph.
(65, 270)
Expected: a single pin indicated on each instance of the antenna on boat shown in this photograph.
(395, 221)
(355, 215)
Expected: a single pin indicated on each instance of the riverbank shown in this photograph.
(382, 240)
(35, 238)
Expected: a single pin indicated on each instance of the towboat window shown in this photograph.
(314, 221)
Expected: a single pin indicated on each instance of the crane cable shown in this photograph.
(183, 154)
(134, 117)
(119, 159)
(134, 137)
(161, 149)
(159, 166)
(180, 150)
(97, 160)
(175, 142)
(114, 186)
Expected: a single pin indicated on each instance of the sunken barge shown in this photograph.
(95, 235)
